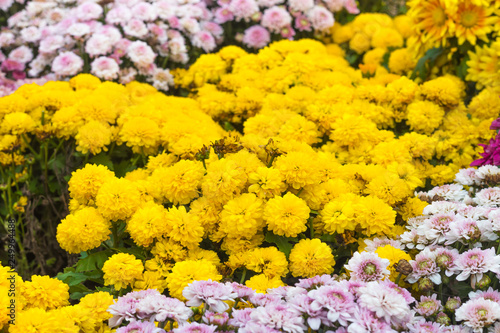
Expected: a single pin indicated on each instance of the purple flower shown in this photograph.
(142, 327)
(491, 154)
(280, 317)
(315, 282)
(240, 317)
(366, 321)
(315, 317)
(495, 125)
(264, 299)
(425, 326)
(219, 319)
(211, 293)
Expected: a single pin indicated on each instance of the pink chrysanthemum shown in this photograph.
(276, 18)
(256, 37)
(475, 263)
(425, 265)
(368, 266)
(336, 300)
(212, 293)
(478, 313)
(280, 317)
(428, 306)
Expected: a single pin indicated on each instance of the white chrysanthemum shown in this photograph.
(442, 207)
(478, 313)
(487, 170)
(367, 266)
(489, 197)
(467, 177)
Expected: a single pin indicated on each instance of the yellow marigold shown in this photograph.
(442, 174)
(375, 216)
(318, 195)
(159, 265)
(404, 91)
(148, 224)
(224, 180)
(185, 227)
(185, 272)
(179, 183)
(394, 255)
(388, 187)
(118, 199)
(407, 173)
(301, 129)
(311, 257)
(287, 215)
(84, 230)
(17, 123)
(122, 270)
(66, 122)
(339, 214)
(387, 37)
(39, 321)
(99, 303)
(97, 107)
(298, 169)
(86, 182)
(401, 61)
(242, 216)
(84, 81)
(207, 213)
(199, 253)
(82, 317)
(45, 293)
(93, 137)
(486, 104)
(160, 160)
(208, 68)
(13, 103)
(233, 245)
(342, 33)
(151, 280)
(261, 283)
(419, 145)
(375, 56)
(140, 133)
(412, 207)
(350, 130)
(424, 116)
(169, 250)
(360, 42)
(404, 25)
(445, 91)
(268, 260)
(5, 303)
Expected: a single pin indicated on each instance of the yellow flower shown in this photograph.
(93, 137)
(66, 122)
(375, 216)
(169, 250)
(473, 21)
(140, 133)
(287, 215)
(82, 317)
(185, 227)
(97, 107)
(424, 116)
(242, 216)
(199, 253)
(486, 104)
(86, 182)
(151, 280)
(389, 187)
(185, 272)
(39, 321)
(266, 182)
(401, 61)
(311, 257)
(84, 230)
(404, 25)
(99, 303)
(241, 244)
(118, 199)
(412, 207)
(298, 169)
(45, 293)
(148, 224)
(224, 180)
(17, 123)
(268, 260)
(84, 81)
(387, 37)
(432, 19)
(359, 43)
(260, 283)
(4, 303)
(394, 255)
(445, 91)
(484, 65)
(339, 214)
(122, 270)
(342, 33)
(178, 183)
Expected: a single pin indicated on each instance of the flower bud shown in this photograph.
(443, 319)
(484, 282)
(425, 284)
(452, 304)
(404, 267)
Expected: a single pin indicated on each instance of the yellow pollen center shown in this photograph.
(438, 16)
(469, 19)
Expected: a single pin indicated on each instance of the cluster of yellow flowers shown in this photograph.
(42, 305)
(376, 36)
(98, 114)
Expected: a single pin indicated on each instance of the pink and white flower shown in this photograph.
(105, 68)
(476, 262)
(276, 18)
(478, 313)
(367, 266)
(21, 54)
(211, 293)
(321, 18)
(243, 9)
(67, 64)
(88, 11)
(256, 37)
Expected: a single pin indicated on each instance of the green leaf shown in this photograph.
(102, 159)
(283, 243)
(92, 261)
(123, 167)
(329, 238)
(136, 251)
(421, 69)
(72, 278)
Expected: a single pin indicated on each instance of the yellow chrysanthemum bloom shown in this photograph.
(185, 272)
(84, 230)
(432, 18)
(98, 303)
(394, 255)
(339, 214)
(66, 122)
(445, 91)
(86, 182)
(140, 133)
(375, 216)
(268, 260)
(473, 21)
(389, 187)
(169, 250)
(412, 207)
(82, 317)
(148, 224)
(233, 245)
(45, 293)
(84, 81)
(404, 25)
(97, 107)
(287, 215)
(242, 216)
(4, 303)
(39, 321)
(223, 181)
(486, 104)
(311, 257)
(122, 270)
(93, 137)
(387, 37)
(207, 213)
(185, 227)
(298, 169)
(17, 123)
(151, 280)
(179, 183)
(260, 283)
(199, 253)
(401, 61)
(118, 199)
(484, 65)
(360, 42)
(424, 116)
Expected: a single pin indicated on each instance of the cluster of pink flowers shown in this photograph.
(267, 20)
(122, 40)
